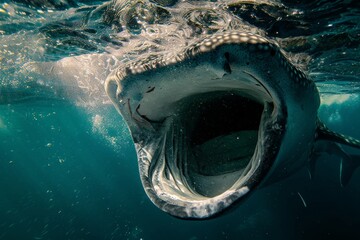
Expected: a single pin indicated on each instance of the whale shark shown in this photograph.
(219, 118)
(215, 110)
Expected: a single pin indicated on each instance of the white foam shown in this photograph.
(328, 99)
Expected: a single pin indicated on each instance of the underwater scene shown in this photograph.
(179, 119)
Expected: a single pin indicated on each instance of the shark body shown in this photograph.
(216, 119)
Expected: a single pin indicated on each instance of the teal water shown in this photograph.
(61, 179)
(69, 171)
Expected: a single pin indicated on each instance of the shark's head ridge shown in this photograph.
(212, 121)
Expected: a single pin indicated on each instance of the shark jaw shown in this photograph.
(208, 122)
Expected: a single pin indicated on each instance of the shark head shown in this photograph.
(214, 120)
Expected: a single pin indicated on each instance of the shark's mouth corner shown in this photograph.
(206, 131)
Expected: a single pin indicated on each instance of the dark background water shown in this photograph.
(70, 172)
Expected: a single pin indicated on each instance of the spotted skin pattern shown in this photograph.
(325, 133)
(252, 41)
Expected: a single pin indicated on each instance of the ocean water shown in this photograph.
(68, 167)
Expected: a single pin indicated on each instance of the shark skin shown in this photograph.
(217, 119)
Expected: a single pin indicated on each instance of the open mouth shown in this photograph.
(211, 150)
(222, 136)
(207, 127)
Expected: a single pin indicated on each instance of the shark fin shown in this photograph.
(349, 163)
(324, 133)
(347, 168)
(321, 148)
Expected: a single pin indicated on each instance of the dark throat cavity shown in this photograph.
(221, 130)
